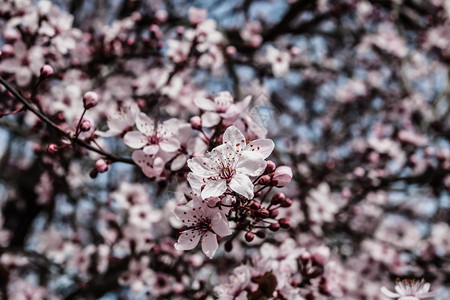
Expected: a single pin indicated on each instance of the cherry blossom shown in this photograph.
(153, 136)
(204, 224)
(410, 290)
(230, 165)
(221, 108)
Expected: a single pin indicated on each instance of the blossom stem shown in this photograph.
(43, 117)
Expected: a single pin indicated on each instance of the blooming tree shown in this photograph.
(224, 150)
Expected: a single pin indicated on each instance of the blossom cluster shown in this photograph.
(237, 150)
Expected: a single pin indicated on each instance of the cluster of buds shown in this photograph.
(276, 176)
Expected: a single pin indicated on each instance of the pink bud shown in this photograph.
(277, 198)
(282, 176)
(196, 122)
(284, 223)
(295, 51)
(52, 148)
(255, 205)
(249, 236)
(46, 71)
(261, 234)
(270, 167)
(90, 99)
(274, 227)
(101, 165)
(85, 125)
(286, 203)
(273, 213)
(265, 180)
(161, 15)
(305, 256)
(321, 254)
(7, 50)
(231, 50)
(263, 212)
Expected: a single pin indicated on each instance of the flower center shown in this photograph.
(226, 173)
(153, 140)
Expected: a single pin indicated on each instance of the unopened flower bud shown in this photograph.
(274, 227)
(264, 213)
(305, 256)
(282, 176)
(255, 205)
(228, 246)
(161, 15)
(90, 99)
(286, 203)
(101, 165)
(273, 213)
(270, 167)
(321, 255)
(249, 236)
(85, 125)
(277, 198)
(46, 71)
(265, 180)
(284, 223)
(52, 148)
(230, 50)
(196, 122)
(261, 234)
(93, 173)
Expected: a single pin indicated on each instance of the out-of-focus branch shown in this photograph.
(43, 117)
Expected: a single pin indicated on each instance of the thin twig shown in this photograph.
(74, 140)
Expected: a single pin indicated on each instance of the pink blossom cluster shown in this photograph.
(235, 150)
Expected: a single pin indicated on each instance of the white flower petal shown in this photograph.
(170, 144)
(252, 165)
(200, 166)
(151, 149)
(209, 244)
(178, 162)
(263, 147)
(205, 104)
(196, 182)
(235, 137)
(210, 119)
(144, 124)
(135, 139)
(214, 188)
(219, 224)
(188, 240)
(242, 185)
(388, 293)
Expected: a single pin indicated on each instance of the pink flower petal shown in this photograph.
(151, 149)
(188, 240)
(263, 147)
(200, 166)
(251, 165)
(170, 144)
(135, 139)
(242, 185)
(205, 104)
(235, 137)
(210, 119)
(214, 188)
(209, 244)
(220, 224)
(388, 293)
(178, 162)
(144, 124)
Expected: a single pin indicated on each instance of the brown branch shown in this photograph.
(74, 140)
